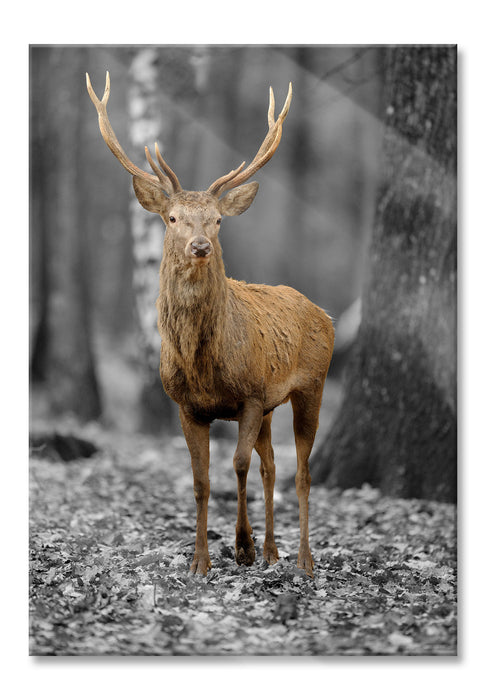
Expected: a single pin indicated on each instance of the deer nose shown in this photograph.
(200, 247)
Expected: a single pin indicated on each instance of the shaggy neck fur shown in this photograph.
(192, 312)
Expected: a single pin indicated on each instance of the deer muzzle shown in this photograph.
(199, 247)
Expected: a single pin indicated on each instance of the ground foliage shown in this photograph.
(111, 541)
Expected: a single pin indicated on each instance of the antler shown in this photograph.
(265, 152)
(167, 179)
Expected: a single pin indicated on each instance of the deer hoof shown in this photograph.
(200, 564)
(305, 562)
(270, 553)
(245, 554)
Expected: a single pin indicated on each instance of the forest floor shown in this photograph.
(111, 542)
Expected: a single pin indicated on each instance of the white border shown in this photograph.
(249, 22)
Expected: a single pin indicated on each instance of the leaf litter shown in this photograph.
(112, 537)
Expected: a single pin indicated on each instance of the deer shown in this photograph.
(230, 350)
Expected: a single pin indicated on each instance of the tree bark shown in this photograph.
(62, 353)
(157, 411)
(396, 428)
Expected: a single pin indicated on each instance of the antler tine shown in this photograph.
(271, 108)
(176, 186)
(163, 179)
(273, 131)
(265, 152)
(224, 179)
(170, 184)
(92, 93)
(106, 93)
(288, 100)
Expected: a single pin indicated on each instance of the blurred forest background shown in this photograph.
(367, 159)
(95, 253)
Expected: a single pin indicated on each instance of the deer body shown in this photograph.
(230, 350)
(238, 341)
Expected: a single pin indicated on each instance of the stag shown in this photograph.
(230, 350)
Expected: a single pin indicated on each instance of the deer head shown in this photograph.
(192, 218)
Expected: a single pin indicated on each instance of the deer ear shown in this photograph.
(150, 195)
(238, 200)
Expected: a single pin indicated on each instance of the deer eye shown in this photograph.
(218, 221)
(172, 219)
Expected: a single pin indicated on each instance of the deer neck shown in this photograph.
(192, 307)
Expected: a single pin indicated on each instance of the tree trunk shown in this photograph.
(157, 412)
(396, 428)
(62, 353)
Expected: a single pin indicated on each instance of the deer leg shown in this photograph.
(306, 420)
(197, 438)
(249, 428)
(263, 446)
